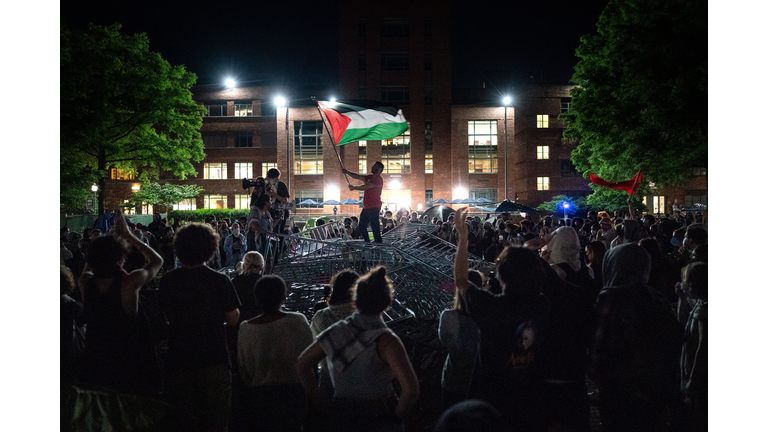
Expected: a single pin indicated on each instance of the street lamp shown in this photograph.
(95, 190)
(565, 209)
(229, 83)
(507, 100)
(281, 102)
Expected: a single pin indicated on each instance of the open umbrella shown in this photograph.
(508, 206)
(484, 201)
(308, 202)
(468, 201)
(350, 201)
(441, 201)
(330, 202)
(439, 211)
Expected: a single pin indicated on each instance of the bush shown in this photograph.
(200, 215)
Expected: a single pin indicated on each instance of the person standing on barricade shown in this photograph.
(374, 183)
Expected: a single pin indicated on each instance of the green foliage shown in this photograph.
(200, 215)
(165, 195)
(577, 205)
(123, 106)
(641, 96)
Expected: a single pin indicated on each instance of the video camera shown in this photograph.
(259, 182)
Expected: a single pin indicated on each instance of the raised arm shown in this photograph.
(354, 175)
(460, 264)
(137, 278)
(393, 353)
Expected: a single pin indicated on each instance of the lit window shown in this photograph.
(542, 152)
(244, 139)
(396, 199)
(266, 166)
(242, 201)
(146, 208)
(362, 157)
(542, 121)
(308, 147)
(428, 152)
(394, 61)
(243, 109)
(483, 146)
(243, 170)
(215, 171)
(216, 109)
(187, 204)
(396, 95)
(396, 153)
(658, 204)
(121, 174)
(215, 201)
(542, 183)
(315, 195)
(128, 210)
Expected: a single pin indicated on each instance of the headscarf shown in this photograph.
(626, 264)
(565, 247)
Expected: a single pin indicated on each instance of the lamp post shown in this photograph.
(507, 100)
(95, 190)
(565, 210)
(282, 102)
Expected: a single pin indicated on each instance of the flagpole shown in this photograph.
(333, 142)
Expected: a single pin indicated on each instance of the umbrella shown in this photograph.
(439, 211)
(309, 202)
(330, 202)
(484, 201)
(508, 206)
(441, 201)
(468, 201)
(350, 201)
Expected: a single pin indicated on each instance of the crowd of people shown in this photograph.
(619, 301)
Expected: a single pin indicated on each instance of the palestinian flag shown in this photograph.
(629, 186)
(363, 120)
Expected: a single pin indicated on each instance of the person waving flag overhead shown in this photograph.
(363, 120)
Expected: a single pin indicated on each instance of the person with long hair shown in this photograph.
(117, 355)
(267, 349)
(245, 283)
(362, 349)
(197, 301)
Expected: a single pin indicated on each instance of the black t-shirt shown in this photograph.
(195, 301)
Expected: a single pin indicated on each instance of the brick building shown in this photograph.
(458, 144)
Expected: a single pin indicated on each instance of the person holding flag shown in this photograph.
(373, 184)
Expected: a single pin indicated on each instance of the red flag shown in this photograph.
(630, 186)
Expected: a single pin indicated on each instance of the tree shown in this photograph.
(575, 205)
(641, 96)
(123, 106)
(165, 195)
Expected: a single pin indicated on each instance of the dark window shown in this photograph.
(565, 105)
(362, 93)
(394, 28)
(394, 61)
(361, 62)
(427, 61)
(428, 151)
(428, 95)
(428, 28)
(361, 28)
(428, 197)
(695, 197)
(244, 139)
(396, 95)
(214, 140)
(568, 169)
(216, 108)
(315, 195)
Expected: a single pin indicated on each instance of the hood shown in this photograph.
(632, 231)
(565, 247)
(627, 264)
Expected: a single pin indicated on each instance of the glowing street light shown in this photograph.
(565, 209)
(333, 100)
(94, 188)
(229, 83)
(279, 101)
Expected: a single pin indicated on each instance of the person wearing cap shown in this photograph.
(606, 234)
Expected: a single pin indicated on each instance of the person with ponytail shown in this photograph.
(362, 349)
(117, 356)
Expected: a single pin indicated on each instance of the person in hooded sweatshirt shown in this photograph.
(636, 347)
(565, 259)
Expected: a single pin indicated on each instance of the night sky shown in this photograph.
(271, 41)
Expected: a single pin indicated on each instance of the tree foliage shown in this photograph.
(641, 96)
(614, 200)
(576, 205)
(124, 106)
(165, 195)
